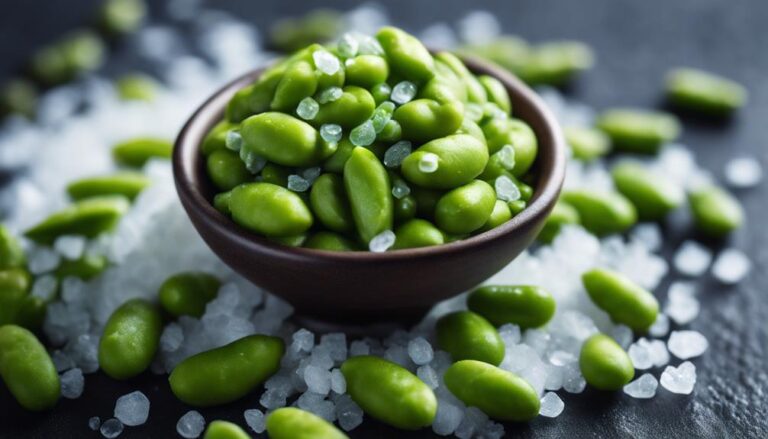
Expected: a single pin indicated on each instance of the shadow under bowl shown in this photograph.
(365, 287)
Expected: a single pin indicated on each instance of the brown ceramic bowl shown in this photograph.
(363, 287)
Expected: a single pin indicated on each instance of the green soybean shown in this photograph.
(500, 394)
(636, 130)
(227, 373)
(257, 97)
(330, 204)
(562, 214)
(14, 287)
(136, 87)
(136, 152)
(475, 90)
(602, 212)
(298, 82)
(270, 210)
(422, 120)
(527, 306)
(460, 158)
(18, 96)
(468, 336)
(369, 192)
(221, 202)
(281, 138)
(555, 63)
(90, 218)
(226, 169)
(417, 233)
(514, 132)
(11, 253)
(130, 339)
(466, 208)
(355, 106)
(31, 313)
(715, 211)
(293, 423)
(122, 16)
(586, 143)
(517, 206)
(499, 215)
(604, 363)
(406, 54)
(389, 392)
(329, 241)
(86, 267)
(127, 184)
(366, 70)
(404, 208)
(652, 194)
(704, 92)
(27, 369)
(275, 174)
(225, 430)
(319, 25)
(216, 138)
(187, 293)
(497, 93)
(624, 300)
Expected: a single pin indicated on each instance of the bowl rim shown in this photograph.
(188, 187)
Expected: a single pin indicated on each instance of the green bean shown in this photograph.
(226, 170)
(136, 152)
(602, 212)
(276, 174)
(652, 194)
(127, 184)
(298, 82)
(18, 96)
(527, 306)
(270, 210)
(330, 204)
(329, 241)
(475, 90)
(11, 253)
(499, 215)
(293, 423)
(221, 202)
(641, 131)
(497, 93)
(366, 70)
(27, 369)
(187, 293)
(299, 142)
(86, 267)
(466, 208)
(417, 233)
(406, 54)
(369, 192)
(468, 336)
(555, 63)
(136, 87)
(460, 158)
(623, 300)
(225, 430)
(705, 92)
(216, 139)
(423, 120)
(255, 98)
(130, 339)
(715, 211)
(319, 25)
(404, 208)
(122, 16)
(14, 287)
(586, 143)
(604, 363)
(355, 106)
(514, 132)
(561, 215)
(90, 218)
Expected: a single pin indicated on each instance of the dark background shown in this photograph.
(635, 42)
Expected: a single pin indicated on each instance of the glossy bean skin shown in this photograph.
(499, 215)
(226, 170)
(638, 131)
(355, 106)
(468, 336)
(27, 369)
(417, 233)
(224, 430)
(704, 92)
(14, 289)
(515, 132)
(90, 218)
(527, 306)
(216, 139)
(501, 395)
(562, 214)
(127, 184)
(255, 98)
(604, 363)
(586, 143)
(329, 241)
(555, 63)
(370, 193)
(130, 339)
(281, 138)
(136, 152)
(293, 423)
(330, 203)
(653, 195)
(11, 253)
(623, 300)
(270, 210)
(422, 120)
(86, 267)
(602, 212)
(221, 202)
(389, 392)
(298, 82)
(187, 293)
(136, 87)
(275, 174)
(461, 158)
(715, 211)
(404, 208)
(227, 373)
(466, 208)
(475, 90)
(367, 70)
(496, 92)
(406, 54)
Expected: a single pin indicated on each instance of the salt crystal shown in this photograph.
(743, 172)
(648, 234)
(62, 361)
(330, 132)
(679, 380)
(382, 115)
(316, 404)
(111, 428)
(349, 414)
(191, 425)
(348, 45)
(623, 335)
(400, 189)
(330, 94)
(574, 383)
(473, 421)
(510, 334)
(326, 62)
(447, 419)
(420, 351)
(70, 246)
(659, 353)
(45, 287)
(643, 387)
(479, 27)
(731, 266)
(561, 358)
(660, 327)
(382, 242)
(692, 258)
(551, 405)
(640, 354)
(255, 420)
(403, 92)
(272, 399)
(297, 183)
(311, 174)
(363, 134)
(338, 382)
(395, 154)
(428, 374)
(72, 383)
(359, 347)
(687, 344)
(398, 354)
(506, 189)
(535, 338)
(318, 380)
(42, 260)
(94, 423)
(429, 162)
(303, 340)
(234, 140)
(253, 162)
(307, 108)
(506, 157)
(682, 306)
(336, 344)
(172, 338)
(132, 409)
(369, 45)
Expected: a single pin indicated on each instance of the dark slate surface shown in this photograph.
(636, 42)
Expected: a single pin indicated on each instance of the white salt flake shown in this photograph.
(72, 383)
(303, 340)
(349, 414)
(428, 374)
(191, 425)
(348, 45)
(338, 382)
(382, 242)
(318, 379)
(420, 351)
(330, 94)
(45, 287)
(359, 347)
(551, 405)
(395, 154)
(682, 305)
(479, 27)
(297, 183)
(363, 134)
(111, 428)
(506, 157)
(172, 338)
(330, 132)
(132, 409)
(659, 353)
(447, 419)
(510, 334)
(681, 379)
(429, 162)
(623, 335)
(687, 344)
(255, 420)
(400, 189)
(660, 327)
(70, 246)
(42, 260)
(731, 266)
(326, 62)
(648, 234)
(643, 387)
(506, 189)
(234, 140)
(307, 108)
(382, 115)
(403, 92)
(640, 354)
(692, 258)
(743, 172)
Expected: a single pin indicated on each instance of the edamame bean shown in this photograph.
(466, 208)
(366, 70)
(329, 241)
(122, 16)
(369, 192)
(715, 211)
(499, 215)
(31, 313)
(527, 306)
(389, 392)
(407, 56)
(187, 293)
(269, 209)
(472, 128)
(90, 218)
(14, 287)
(705, 92)
(514, 132)
(604, 363)
(460, 158)
(11, 253)
(517, 206)
(497, 93)
(227, 170)
(276, 174)
(127, 184)
(293, 423)
(216, 138)
(417, 233)
(468, 336)
(281, 138)
(330, 204)
(227, 373)
(86, 267)
(392, 132)
(652, 194)
(423, 120)
(562, 214)
(624, 300)
(507, 51)
(355, 106)
(586, 143)
(27, 369)
(602, 212)
(404, 208)
(225, 430)
(500, 394)
(136, 87)
(298, 82)
(475, 90)
(319, 25)
(130, 339)
(257, 97)
(136, 152)
(555, 63)
(18, 96)
(221, 202)
(641, 131)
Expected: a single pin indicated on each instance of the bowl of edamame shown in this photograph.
(370, 179)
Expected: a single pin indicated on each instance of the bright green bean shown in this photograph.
(468, 336)
(623, 300)
(604, 363)
(293, 423)
(27, 369)
(527, 306)
(130, 339)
